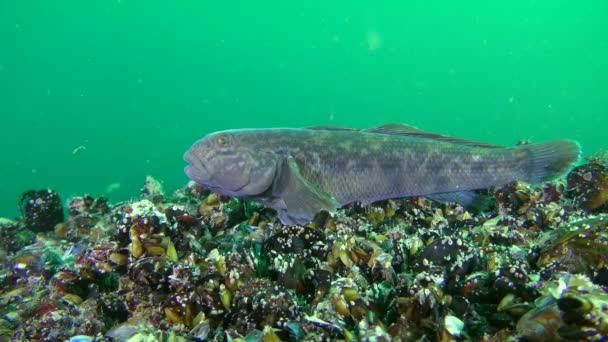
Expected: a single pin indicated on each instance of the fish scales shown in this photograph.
(301, 171)
(400, 167)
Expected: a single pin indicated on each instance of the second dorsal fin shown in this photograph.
(330, 128)
(400, 129)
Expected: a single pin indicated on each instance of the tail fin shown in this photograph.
(550, 160)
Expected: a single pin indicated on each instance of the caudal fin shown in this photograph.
(550, 160)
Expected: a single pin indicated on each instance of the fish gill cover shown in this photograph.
(95, 96)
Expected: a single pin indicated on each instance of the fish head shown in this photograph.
(229, 163)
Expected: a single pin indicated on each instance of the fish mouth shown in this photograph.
(189, 157)
(196, 169)
(197, 173)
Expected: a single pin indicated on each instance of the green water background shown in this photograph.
(95, 95)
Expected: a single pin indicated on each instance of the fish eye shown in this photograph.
(223, 140)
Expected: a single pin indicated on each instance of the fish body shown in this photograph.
(300, 171)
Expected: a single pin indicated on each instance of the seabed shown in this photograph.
(195, 266)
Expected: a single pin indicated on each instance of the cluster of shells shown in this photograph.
(198, 266)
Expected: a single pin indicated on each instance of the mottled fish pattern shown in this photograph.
(300, 172)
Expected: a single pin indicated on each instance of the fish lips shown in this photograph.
(196, 175)
(196, 170)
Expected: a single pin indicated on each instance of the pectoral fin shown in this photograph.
(298, 199)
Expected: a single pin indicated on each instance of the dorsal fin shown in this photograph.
(330, 128)
(400, 129)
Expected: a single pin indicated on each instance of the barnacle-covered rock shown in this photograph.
(348, 253)
(515, 197)
(418, 211)
(572, 308)
(140, 219)
(151, 272)
(513, 305)
(200, 266)
(588, 185)
(101, 259)
(530, 209)
(240, 267)
(497, 231)
(212, 211)
(579, 247)
(512, 274)
(181, 308)
(55, 321)
(375, 215)
(380, 265)
(27, 266)
(113, 308)
(259, 303)
(146, 230)
(75, 228)
(476, 287)
(210, 299)
(542, 323)
(13, 236)
(152, 190)
(294, 254)
(41, 210)
(347, 300)
(177, 215)
(599, 157)
(305, 241)
(69, 286)
(372, 331)
(449, 254)
(87, 205)
(86, 220)
(191, 194)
